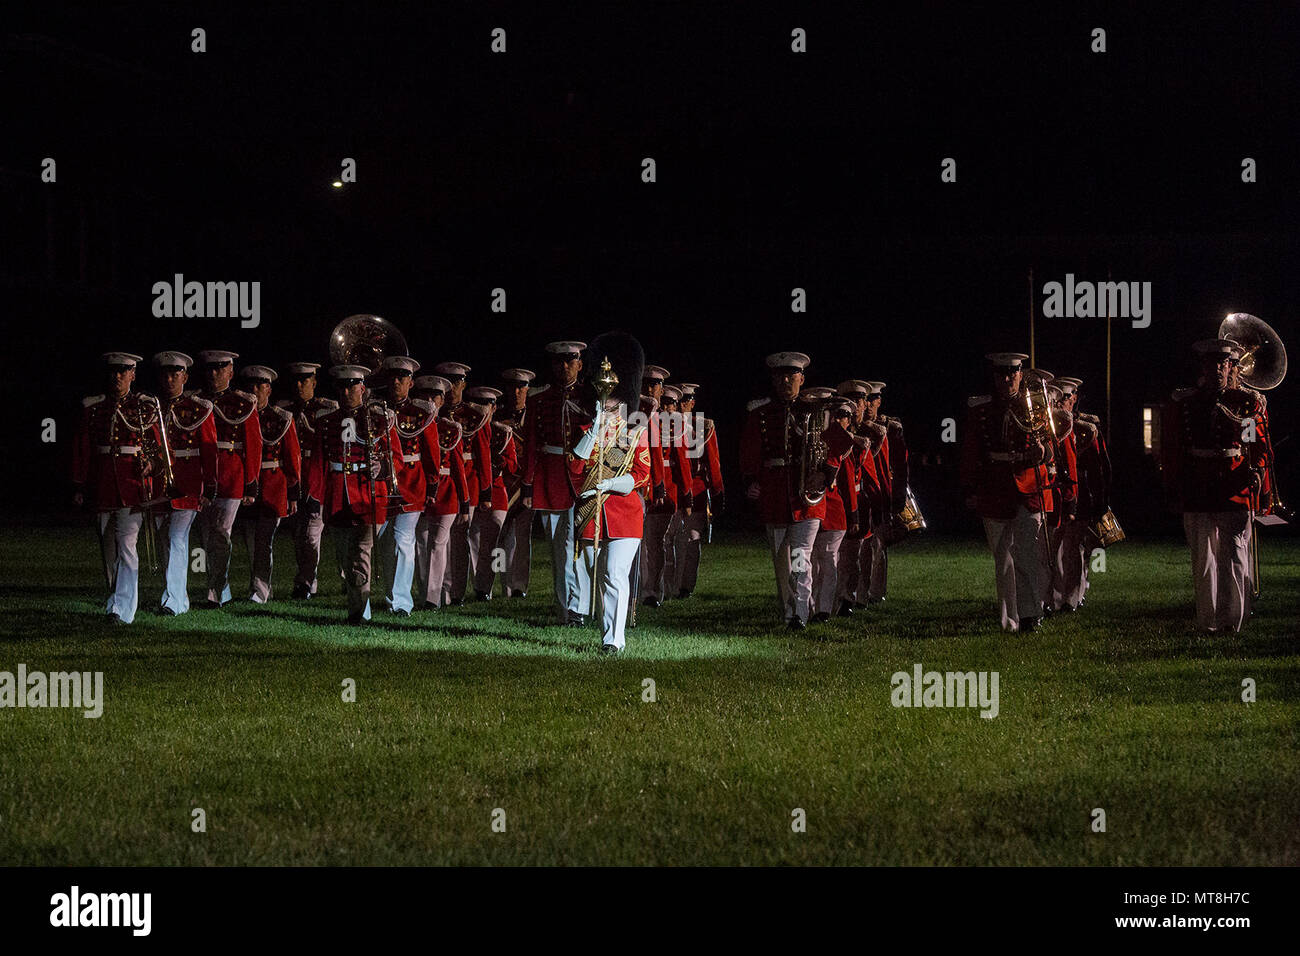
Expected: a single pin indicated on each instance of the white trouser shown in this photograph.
(1220, 545)
(259, 536)
(354, 547)
(1019, 565)
(617, 556)
(652, 554)
(791, 546)
(847, 569)
(119, 532)
(215, 522)
(306, 544)
(673, 559)
(458, 568)
(1069, 569)
(484, 536)
(174, 542)
(432, 544)
(875, 566)
(825, 562)
(571, 581)
(690, 544)
(397, 559)
(516, 538)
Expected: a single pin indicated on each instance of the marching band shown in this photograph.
(444, 479)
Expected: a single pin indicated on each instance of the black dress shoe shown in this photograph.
(608, 650)
(1028, 624)
(208, 605)
(797, 624)
(577, 620)
(401, 612)
(356, 619)
(459, 602)
(821, 617)
(429, 606)
(683, 594)
(482, 595)
(516, 593)
(300, 593)
(846, 608)
(652, 602)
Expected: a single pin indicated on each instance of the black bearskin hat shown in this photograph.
(628, 360)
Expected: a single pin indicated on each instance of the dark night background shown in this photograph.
(775, 170)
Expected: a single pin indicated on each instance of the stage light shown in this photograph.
(337, 184)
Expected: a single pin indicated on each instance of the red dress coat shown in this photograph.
(674, 463)
(770, 449)
(622, 516)
(706, 468)
(192, 435)
(453, 490)
(1002, 467)
(105, 455)
(338, 477)
(505, 464)
(281, 461)
(304, 423)
(418, 459)
(554, 423)
(239, 442)
(1207, 466)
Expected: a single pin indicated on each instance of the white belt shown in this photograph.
(770, 463)
(552, 449)
(410, 459)
(467, 456)
(118, 449)
(1216, 452)
(230, 445)
(186, 453)
(444, 471)
(306, 453)
(350, 467)
(667, 462)
(270, 464)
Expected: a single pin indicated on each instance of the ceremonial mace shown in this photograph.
(605, 383)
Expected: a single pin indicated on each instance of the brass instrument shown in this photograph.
(150, 451)
(1031, 409)
(367, 340)
(810, 481)
(1262, 366)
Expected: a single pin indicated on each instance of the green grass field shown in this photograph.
(1121, 706)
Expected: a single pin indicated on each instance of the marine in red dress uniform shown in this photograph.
(841, 501)
(111, 471)
(554, 422)
(771, 447)
(451, 498)
(416, 460)
(1004, 476)
(485, 531)
(308, 526)
(350, 477)
(192, 440)
(708, 494)
(516, 533)
(1213, 461)
(675, 458)
(239, 466)
(277, 495)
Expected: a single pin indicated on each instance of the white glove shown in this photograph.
(582, 450)
(621, 485)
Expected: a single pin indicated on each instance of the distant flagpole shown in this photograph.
(1110, 299)
(1032, 364)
